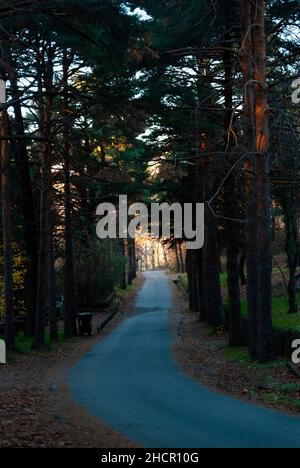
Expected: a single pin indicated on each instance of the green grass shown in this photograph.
(276, 398)
(278, 271)
(183, 282)
(224, 276)
(290, 388)
(238, 355)
(280, 305)
(281, 319)
(24, 344)
(224, 280)
(122, 293)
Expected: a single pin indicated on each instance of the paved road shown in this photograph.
(132, 383)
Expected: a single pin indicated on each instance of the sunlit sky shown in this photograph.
(140, 13)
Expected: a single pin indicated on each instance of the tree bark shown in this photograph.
(45, 81)
(70, 326)
(123, 280)
(265, 338)
(191, 263)
(178, 270)
(165, 257)
(292, 248)
(134, 262)
(53, 329)
(42, 287)
(28, 208)
(242, 263)
(233, 282)
(130, 262)
(215, 310)
(182, 264)
(7, 236)
(232, 199)
(250, 174)
(258, 227)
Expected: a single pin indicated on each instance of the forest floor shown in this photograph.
(204, 354)
(36, 408)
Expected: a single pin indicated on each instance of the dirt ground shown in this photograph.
(36, 409)
(203, 354)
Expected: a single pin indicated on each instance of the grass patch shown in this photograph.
(280, 306)
(276, 398)
(290, 388)
(238, 354)
(281, 319)
(183, 282)
(24, 344)
(121, 293)
(224, 278)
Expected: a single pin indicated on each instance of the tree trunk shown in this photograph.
(45, 81)
(130, 262)
(70, 327)
(53, 330)
(146, 257)
(232, 199)
(233, 282)
(177, 258)
(214, 296)
(165, 257)
(204, 301)
(292, 248)
(258, 227)
(265, 338)
(242, 264)
(42, 289)
(201, 297)
(134, 262)
(28, 208)
(182, 264)
(7, 236)
(153, 258)
(192, 279)
(250, 174)
(123, 280)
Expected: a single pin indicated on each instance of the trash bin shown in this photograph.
(85, 324)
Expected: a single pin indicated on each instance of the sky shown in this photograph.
(140, 13)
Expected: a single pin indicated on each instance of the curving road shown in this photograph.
(131, 382)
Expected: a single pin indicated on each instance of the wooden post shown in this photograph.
(2, 352)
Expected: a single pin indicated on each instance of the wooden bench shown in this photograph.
(101, 306)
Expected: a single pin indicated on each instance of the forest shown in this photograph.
(176, 101)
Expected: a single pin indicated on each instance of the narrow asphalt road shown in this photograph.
(132, 383)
